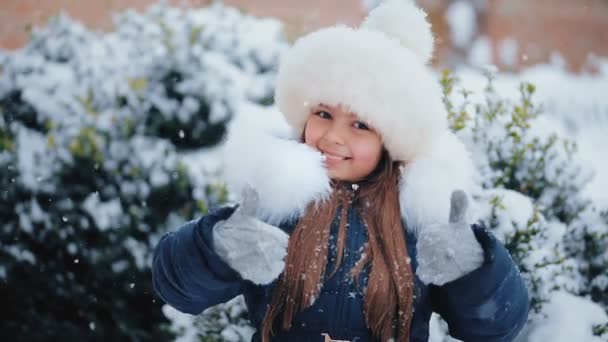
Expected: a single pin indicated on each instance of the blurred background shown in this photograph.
(512, 34)
(113, 115)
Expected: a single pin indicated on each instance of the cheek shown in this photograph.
(369, 153)
(311, 133)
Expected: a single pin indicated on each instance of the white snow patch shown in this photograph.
(569, 318)
(106, 214)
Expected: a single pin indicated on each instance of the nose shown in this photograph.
(334, 134)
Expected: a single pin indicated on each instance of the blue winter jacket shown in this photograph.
(488, 304)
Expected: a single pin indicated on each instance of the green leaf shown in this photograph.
(138, 84)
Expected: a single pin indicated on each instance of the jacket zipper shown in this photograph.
(340, 288)
(352, 240)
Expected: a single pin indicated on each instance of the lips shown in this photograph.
(333, 157)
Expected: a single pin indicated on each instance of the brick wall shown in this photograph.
(574, 28)
(17, 16)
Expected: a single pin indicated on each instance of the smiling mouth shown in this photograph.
(330, 156)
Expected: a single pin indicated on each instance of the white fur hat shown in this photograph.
(378, 71)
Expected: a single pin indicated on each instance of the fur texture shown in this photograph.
(379, 72)
(262, 151)
(371, 73)
(402, 19)
(289, 175)
(427, 183)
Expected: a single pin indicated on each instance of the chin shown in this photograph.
(343, 179)
(338, 178)
(339, 175)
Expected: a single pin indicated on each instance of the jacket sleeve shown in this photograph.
(489, 304)
(186, 272)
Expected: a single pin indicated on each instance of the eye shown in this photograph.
(323, 114)
(361, 125)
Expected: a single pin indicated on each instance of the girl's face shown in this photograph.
(352, 148)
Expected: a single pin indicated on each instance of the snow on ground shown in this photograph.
(563, 325)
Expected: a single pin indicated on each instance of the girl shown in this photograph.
(353, 221)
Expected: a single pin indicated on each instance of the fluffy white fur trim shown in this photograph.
(370, 74)
(405, 21)
(288, 175)
(263, 153)
(427, 183)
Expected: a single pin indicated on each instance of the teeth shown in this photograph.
(331, 156)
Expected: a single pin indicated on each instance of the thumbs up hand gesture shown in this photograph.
(448, 251)
(251, 247)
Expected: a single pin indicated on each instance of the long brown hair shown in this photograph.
(390, 288)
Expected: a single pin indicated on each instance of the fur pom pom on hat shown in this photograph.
(378, 71)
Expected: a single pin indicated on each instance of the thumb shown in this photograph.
(458, 206)
(250, 199)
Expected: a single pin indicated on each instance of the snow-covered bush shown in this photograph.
(531, 195)
(169, 72)
(193, 65)
(100, 135)
(97, 139)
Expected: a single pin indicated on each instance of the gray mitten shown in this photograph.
(448, 251)
(251, 247)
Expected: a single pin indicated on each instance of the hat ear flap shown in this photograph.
(403, 20)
